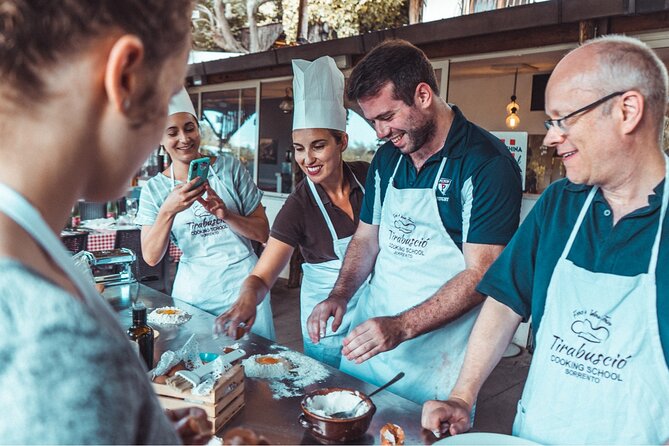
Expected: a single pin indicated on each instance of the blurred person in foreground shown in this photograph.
(213, 224)
(589, 264)
(442, 199)
(320, 216)
(84, 88)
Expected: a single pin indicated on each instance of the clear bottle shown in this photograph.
(141, 334)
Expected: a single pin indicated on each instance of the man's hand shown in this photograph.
(191, 424)
(372, 337)
(238, 319)
(450, 416)
(213, 203)
(318, 319)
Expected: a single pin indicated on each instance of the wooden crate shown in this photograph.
(221, 404)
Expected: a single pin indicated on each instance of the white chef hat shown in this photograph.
(318, 92)
(181, 103)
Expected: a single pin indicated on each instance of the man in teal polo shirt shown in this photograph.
(442, 199)
(589, 265)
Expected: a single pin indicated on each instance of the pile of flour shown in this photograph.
(288, 377)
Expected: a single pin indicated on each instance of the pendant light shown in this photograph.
(512, 118)
(287, 105)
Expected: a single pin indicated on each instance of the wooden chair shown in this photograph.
(75, 242)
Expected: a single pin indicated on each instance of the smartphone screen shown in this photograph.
(199, 168)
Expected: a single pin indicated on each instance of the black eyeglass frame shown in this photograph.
(548, 123)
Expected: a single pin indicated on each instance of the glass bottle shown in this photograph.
(141, 334)
(286, 173)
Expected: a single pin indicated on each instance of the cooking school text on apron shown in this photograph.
(215, 259)
(412, 241)
(599, 338)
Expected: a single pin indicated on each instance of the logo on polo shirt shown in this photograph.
(443, 185)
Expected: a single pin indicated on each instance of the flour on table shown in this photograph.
(291, 373)
(168, 316)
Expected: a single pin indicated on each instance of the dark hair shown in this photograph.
(338, 135)
(37, 34)
(396, 61)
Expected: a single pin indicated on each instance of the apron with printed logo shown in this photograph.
(598, 375)
(317, 282)
(416, 257)
(215, 260)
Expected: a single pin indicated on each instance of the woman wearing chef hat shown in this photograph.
(213, 223)
(320, 216)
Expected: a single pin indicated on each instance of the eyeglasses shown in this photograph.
(559, 123)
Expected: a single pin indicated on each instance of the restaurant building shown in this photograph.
(481, 60)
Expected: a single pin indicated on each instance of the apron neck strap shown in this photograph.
(663, 212)
(319, 202)
(579, 220)
(436, 179)
(172, 174)
(441, 170)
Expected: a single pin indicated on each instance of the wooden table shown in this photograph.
(276, 419)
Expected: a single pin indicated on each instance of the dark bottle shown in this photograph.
(287, 173)
(140, 333)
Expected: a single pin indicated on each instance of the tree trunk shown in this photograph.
(223, 36)
(415, 11)
(303, 22)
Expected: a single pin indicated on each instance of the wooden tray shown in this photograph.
(221, 404)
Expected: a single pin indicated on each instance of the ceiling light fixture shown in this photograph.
(512, 119)
(286, 104)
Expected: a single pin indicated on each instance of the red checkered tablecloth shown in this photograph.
(103, 240)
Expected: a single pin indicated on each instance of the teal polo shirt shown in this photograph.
(479, 193)
(519, 277)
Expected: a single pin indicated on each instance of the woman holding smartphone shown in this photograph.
(320, 216)
(213, 223)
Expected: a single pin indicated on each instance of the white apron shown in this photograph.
(416, 257)
(317, 282)
(598, 375)
(215, 260)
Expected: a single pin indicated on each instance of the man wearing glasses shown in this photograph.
(589, 264)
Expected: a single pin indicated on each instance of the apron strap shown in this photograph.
(392, 177)
(441, 170)
(172, 174)
(663, 212)
(15, 206)
(319, 202)
(579, 221)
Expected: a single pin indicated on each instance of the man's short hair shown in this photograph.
(395, 61)
(626, 63)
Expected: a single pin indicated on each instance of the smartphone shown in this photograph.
(199, 168)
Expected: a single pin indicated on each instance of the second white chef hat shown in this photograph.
(318, 92)
(181, 103)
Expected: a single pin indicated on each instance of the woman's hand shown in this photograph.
(238, 319)
(183, 196)
(213, 203)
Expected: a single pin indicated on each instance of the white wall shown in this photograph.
(483, 101)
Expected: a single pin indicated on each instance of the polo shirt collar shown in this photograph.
(456, 140)
(654, 199)
(348, 173)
